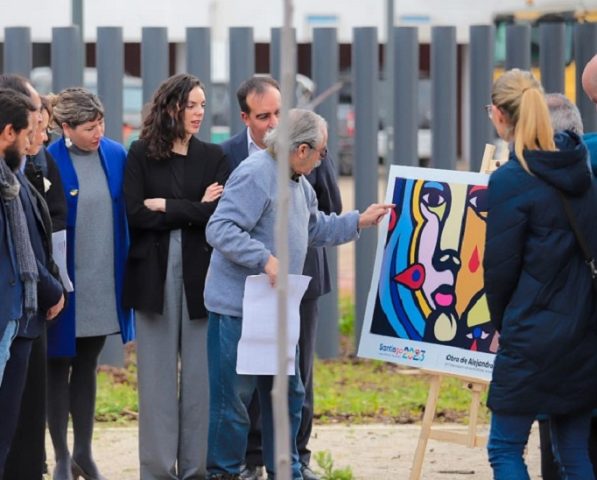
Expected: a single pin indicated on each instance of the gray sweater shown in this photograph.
(241, 230)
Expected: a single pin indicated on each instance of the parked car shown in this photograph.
(132, 96)
(346, 126)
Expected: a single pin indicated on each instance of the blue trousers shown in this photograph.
(509, 435)
(230, 395)
(6, 339)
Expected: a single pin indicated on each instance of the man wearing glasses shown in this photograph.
(259, 101)
(241, 231)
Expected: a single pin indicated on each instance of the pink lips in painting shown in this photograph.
(443, 299)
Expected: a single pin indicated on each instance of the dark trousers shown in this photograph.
(309, 312)
(254, 453)
(11, 393)
(253, 456)
(549, 468)
(26, 456)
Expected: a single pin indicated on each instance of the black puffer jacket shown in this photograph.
(538, 286)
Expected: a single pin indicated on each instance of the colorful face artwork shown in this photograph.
(431, 277)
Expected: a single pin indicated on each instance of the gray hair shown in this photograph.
(564, 114)
(75, 106)
(304, 126)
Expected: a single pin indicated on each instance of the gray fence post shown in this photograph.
(199, 64)
(518, 47)
(18, 51)
(443, 97)
(324, 61)
(275, 52)
(406, 96)
(585, 46)
(242, 66)
(481, 77)
(67, 65)
(388, 88)
(365, 93)
(552, 59)
(110, 74)
(154, 59)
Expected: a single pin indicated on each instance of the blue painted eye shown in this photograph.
(433, 194)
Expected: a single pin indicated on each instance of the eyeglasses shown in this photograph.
(322, 153)
(489, 110)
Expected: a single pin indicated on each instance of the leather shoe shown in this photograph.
(77, 472)
(252, 472)
(62, 470)
(309, 474)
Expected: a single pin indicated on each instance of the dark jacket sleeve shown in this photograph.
(325, 183)
(179, 212)
(49, 289)
(138, 215)
(182, 212)
(55, 196)
(504, 247)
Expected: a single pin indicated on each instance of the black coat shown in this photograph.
(49, 288)
(538, 286)
(146, 265)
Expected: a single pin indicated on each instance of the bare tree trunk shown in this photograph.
(280, 390)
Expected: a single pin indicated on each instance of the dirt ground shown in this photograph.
(371, 451)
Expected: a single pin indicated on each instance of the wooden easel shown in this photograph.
(488, 163)
(476, 386)
(470, 439)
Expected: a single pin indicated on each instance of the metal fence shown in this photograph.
(460, 87)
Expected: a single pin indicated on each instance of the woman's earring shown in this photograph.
(68, 142)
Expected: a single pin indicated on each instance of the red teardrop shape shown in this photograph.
(474, 263)
(412, 277)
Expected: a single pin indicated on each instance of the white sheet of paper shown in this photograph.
(257, 352)
(59, 254)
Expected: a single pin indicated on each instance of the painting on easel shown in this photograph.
(427, 305)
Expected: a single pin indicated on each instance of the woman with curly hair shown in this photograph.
(172, 185)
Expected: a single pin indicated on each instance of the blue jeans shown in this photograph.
(5, 342)
(230, 395)
(570, 435)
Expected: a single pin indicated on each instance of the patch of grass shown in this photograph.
(326, 464)
(365, 391)
(117, 400)
(346, 321)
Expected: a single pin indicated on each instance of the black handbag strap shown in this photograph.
(580, 238)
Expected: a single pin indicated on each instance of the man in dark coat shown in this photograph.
(16, 117)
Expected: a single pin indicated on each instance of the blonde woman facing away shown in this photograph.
(538, 285)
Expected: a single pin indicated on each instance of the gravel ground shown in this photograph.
(371, 451)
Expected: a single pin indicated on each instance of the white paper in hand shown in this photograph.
(257, 349)
(59, 255)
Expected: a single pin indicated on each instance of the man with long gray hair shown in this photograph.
(241, 232)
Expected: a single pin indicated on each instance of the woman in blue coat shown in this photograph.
(92, 170)
(538, 285)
